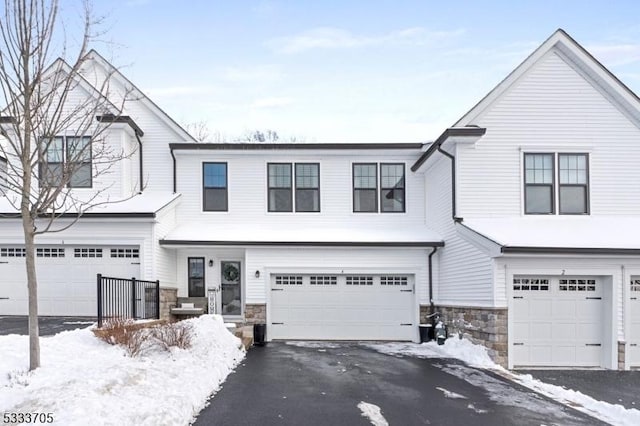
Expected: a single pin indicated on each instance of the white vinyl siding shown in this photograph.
(551, 107)
(465, 274)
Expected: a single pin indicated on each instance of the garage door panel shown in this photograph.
(66, 282)
(560, 324)
(633, 347)
(353, 307)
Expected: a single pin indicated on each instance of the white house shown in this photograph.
(520, 220)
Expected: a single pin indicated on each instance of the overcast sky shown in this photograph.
(346, 71)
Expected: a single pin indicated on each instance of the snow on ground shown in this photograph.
(373, 413)
(476, 356)
(83, 380)
(314, 344)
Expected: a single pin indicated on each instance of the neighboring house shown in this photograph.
(520, 220)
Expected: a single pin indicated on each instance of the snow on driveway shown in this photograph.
(86, 381)
(476, 356)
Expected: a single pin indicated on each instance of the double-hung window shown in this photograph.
(573, 181)
(307, 187)
(542, 171)
(279, 187)
(391, 184)
(66, 158)
(538, 184)
(281, 182)
(365, 187)
(215, 197)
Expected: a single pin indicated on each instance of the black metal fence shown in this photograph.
(127, 298)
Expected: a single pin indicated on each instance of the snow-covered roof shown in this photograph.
(145, 204)
(221, 234)
(582, 233)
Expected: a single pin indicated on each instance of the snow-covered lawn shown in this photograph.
(86, 381)
(476, 356)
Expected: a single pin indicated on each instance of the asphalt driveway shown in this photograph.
(48, 325)
(322, 384)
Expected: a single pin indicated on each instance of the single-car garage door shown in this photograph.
(342, 307)
(66, 277)
(634, 327)
(557, 321)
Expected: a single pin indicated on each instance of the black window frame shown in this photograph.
(270, 188)
(354, 189)
(316, 189)
(67, 160)
(225, 188)
(585, 185)
(552, 184)
(403, 189)
(189, 276)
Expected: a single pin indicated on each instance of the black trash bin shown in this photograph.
(426, 333)
(259, 334)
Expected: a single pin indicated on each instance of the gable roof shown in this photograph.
(572, 52)
(159, 112)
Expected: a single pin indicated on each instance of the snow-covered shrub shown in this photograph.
(177, 334)
(122, 332)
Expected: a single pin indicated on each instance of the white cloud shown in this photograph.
(616, 54)
(258, 73)
(274, 102)
(337, 38)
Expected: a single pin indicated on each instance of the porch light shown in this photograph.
(210, 263)
(257, 274)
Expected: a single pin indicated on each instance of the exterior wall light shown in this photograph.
(210, 263)
(257, 274)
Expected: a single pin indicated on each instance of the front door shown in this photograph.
(196, 276)
(231, 288)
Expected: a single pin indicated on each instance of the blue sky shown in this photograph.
(346, 71)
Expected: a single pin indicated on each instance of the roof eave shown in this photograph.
(473, 133)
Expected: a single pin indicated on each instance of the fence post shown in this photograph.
(133, 298)
(157, 299)
(99, 300)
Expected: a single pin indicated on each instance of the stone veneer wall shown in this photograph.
(168, 299)
(484, 326)
(621, 354)
(254, 314)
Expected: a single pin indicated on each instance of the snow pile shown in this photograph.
(86, 381)
(476, 356)
(461, 349)
(373, 413)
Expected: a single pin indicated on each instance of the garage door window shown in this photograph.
(531, 284)
(635, 285)
(288, 279)
(392, 280)
(359, 280)
(576, 285)
(87, 252)
(49, 252)
(126, 253)
(13, 252)
(323, 280)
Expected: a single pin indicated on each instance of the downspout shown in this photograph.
(432, 307)
(453, 181)
(175, 185)
(141, 177)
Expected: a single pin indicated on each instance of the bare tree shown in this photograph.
(50, 138)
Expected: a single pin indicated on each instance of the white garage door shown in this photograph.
(66, 277)
(557, 321)
(634, 331)
(342, 307)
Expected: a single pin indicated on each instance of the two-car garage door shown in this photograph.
(342, 307)
(66, 277)
(557, 321)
